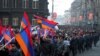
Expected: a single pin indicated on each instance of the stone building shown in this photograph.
(89, 10)
(11, 11)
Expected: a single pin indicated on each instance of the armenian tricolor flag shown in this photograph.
(7, 38)
(7, 35)
(24, 37)
(46, 24)
(1, 28)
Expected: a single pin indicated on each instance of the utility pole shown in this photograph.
(85, 13)
(93, 8)
(52, 7)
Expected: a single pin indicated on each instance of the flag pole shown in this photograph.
(7, 43)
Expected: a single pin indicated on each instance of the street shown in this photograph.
(95, 51)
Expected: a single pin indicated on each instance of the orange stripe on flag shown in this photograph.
(39, 21)
(45, 27)
(22, 45)
(22, 24)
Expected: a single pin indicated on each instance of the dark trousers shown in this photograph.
(66, 54)
(74, 51)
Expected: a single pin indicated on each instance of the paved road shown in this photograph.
(95, 51)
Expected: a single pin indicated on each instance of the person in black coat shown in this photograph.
(73, 46)
(14, 51)
(80, 44)
(4, 51)
(96, 39)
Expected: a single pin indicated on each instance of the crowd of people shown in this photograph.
(64, 43)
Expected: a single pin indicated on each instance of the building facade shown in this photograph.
(11, 11)
(67, 17)
(87, 11)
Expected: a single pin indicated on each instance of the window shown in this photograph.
(15, 21)
(35, 4)
(5, 3)
(25, 3)
(5, 21)
(14, 3)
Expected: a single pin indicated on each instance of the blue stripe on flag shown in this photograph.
(47, 24)
(27, 42)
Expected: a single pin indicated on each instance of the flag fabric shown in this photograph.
(1, 30)
(7, 35)
(11, 31)
(22, 45)
(25, 24)
(23, 41)
(24, 37)
(7, 38)
(27, 19)
(52, 32)
(51, 22)
(46, 24)
(45, 19)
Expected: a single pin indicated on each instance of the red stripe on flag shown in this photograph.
(28, 28)
(50, 22)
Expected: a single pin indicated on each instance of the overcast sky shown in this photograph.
(60, 6)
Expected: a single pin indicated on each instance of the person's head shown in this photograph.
(65, 38)
(13, 46)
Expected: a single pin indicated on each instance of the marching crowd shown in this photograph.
(64, 43)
